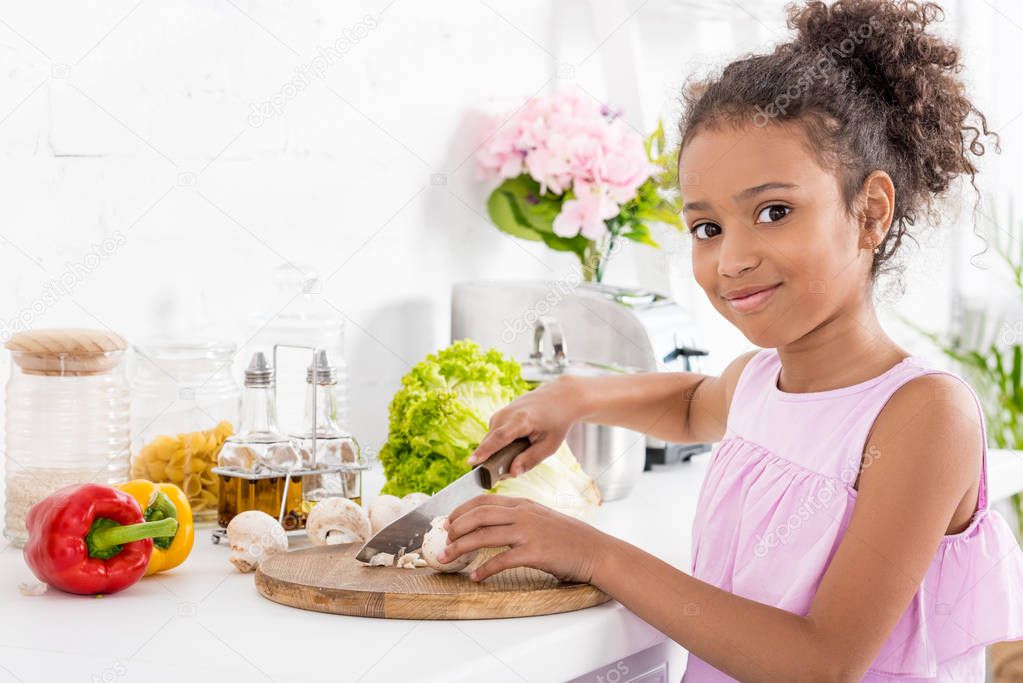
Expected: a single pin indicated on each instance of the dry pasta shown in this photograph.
(185, 460)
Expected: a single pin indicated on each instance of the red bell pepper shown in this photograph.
(90, 539)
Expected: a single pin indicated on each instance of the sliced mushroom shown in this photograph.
(381, 560)
(411, 561)
(254, 536)
(338, 520)
(407, 561)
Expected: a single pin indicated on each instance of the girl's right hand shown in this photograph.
(543, 415)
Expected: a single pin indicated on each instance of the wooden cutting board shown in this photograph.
(330, 579)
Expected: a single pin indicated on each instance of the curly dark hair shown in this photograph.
(872, 89)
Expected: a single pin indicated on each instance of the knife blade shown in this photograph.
(407, 531)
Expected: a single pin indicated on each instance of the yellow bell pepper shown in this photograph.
(160, 501)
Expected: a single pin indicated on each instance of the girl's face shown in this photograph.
(764, 215)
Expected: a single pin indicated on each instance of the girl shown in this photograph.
(843, 530)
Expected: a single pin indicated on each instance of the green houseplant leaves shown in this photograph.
(990, 352)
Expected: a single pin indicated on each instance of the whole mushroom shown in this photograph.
(414, 500)
(254, 536)
(384, 509)
(434, 542)
(338, 520)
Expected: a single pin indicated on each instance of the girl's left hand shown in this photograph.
(539, 537)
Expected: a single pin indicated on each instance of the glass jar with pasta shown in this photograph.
(184, 406)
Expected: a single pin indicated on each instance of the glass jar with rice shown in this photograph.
(67, 416)
(185, 404)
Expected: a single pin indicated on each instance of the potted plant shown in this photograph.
(990, 351)
(572, 174)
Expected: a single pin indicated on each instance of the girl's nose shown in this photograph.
(738, 252)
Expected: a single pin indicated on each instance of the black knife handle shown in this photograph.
(497, 467)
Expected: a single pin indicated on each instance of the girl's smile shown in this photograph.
(751, 299)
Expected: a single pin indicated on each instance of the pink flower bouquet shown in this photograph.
(573, 174)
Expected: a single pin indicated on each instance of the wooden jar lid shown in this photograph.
(67, 351)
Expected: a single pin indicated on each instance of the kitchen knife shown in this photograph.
(407, 531)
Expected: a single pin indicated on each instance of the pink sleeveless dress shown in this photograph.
(778, 498)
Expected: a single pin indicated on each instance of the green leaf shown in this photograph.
(1000, 376)
(1017, 370)
(637, 232)
(577, 245)
(503, 210)
(642, 239)
(531, 209)
(654, 143)
(660, 214)
(976, 360)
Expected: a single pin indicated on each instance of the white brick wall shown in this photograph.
(134, 118)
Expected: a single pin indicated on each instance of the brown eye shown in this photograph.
(709, 230)
(774, 212)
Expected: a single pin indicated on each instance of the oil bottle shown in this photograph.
(255, 465)
(334, 447)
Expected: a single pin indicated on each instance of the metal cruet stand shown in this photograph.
(343, 468)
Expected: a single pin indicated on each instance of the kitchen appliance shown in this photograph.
(405, 534)
(612, 456)
(616, 326)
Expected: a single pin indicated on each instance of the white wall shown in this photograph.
(135, 119)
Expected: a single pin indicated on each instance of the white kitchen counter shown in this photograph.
(204, 621)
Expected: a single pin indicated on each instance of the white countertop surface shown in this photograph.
(204, 620)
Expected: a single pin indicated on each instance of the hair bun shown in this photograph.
(872, 88)
(886, 50)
